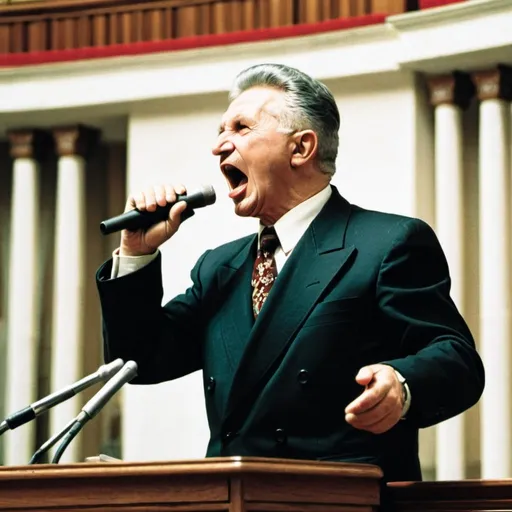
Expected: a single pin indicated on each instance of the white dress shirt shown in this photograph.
(294, 223)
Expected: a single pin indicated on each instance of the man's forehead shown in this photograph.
(253, 102)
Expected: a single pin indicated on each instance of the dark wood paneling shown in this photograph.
(37, 36)
(264, 13)
(67, 24)
(5, 35)
(281, 13)
(236, 15)
(248, 14)
(18, 37)
(205, 19)
(463, 495)
(155, 24)
(221, 21)
(187, 21)
(99, 30)
(70, 33)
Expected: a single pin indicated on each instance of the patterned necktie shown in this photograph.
(265, 270)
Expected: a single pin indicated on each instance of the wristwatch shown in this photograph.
(406, 394)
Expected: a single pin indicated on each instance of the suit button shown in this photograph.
(303, 376)
(210, 386)
(280, 436)
(229, 436)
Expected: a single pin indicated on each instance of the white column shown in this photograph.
(450, 459)
(23, 299)
(69, 279)
(450, 94)
(495, 288)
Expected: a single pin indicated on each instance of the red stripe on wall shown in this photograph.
(187, 43)
(426, 4)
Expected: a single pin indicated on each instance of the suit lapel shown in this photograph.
(238, 320)
(316, 260)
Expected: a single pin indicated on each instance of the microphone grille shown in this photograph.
(209, 194)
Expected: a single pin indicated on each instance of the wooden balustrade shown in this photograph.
(460, 496)
(70, 24)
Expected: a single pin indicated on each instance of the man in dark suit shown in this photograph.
(330, 334)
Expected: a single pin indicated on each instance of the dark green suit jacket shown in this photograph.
(360, 287)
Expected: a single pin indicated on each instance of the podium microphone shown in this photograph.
(95, 404)
(136, 219)
(27, 414)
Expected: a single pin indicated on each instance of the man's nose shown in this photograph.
(222, 146)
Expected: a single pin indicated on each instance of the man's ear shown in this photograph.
(305, 147)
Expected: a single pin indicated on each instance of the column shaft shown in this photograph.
(450, 94)
(69, 296)
(23, 299)
(450, 454)
(494, 92)
(495, 286)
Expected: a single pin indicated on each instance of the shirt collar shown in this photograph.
(294, 223)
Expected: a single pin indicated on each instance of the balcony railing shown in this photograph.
(67, 24)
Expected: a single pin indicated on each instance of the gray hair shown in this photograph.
(310, 105)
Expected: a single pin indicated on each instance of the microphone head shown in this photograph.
(209, 194)
(131, 366)
(122, 377)
(199, 197)
(109, 370)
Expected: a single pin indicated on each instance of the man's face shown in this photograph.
(255, 155)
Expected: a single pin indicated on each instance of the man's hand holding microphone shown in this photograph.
(146, 241)
(152, 216)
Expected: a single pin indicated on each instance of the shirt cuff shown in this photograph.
(123, 265)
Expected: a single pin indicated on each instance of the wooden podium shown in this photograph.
(235, 484)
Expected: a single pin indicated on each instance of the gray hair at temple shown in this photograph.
(310, 105)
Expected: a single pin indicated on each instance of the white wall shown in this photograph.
(171, 140)
(376, 160)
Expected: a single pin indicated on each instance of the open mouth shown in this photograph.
(234, 175)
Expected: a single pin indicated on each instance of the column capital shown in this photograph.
(452, 89)
(76, 140)
(28, 143)
(494, 83)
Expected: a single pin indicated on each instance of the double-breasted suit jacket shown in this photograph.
(360, 287)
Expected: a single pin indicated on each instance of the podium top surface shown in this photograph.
(219, 465)
(232, 484)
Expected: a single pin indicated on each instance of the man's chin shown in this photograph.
(242, 209)
(241, 212)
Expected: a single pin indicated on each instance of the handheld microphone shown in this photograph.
(95, 404)
(27, 414)
(136, 219)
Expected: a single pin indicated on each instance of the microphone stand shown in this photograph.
(29, 413)
(74, 428)
(50, 443)
(94, 405)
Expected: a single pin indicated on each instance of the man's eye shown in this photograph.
(241, 126)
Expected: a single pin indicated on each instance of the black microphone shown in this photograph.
(135, 219)
(95, 404)
(27, 414)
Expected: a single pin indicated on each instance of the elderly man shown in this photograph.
(330, 334)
